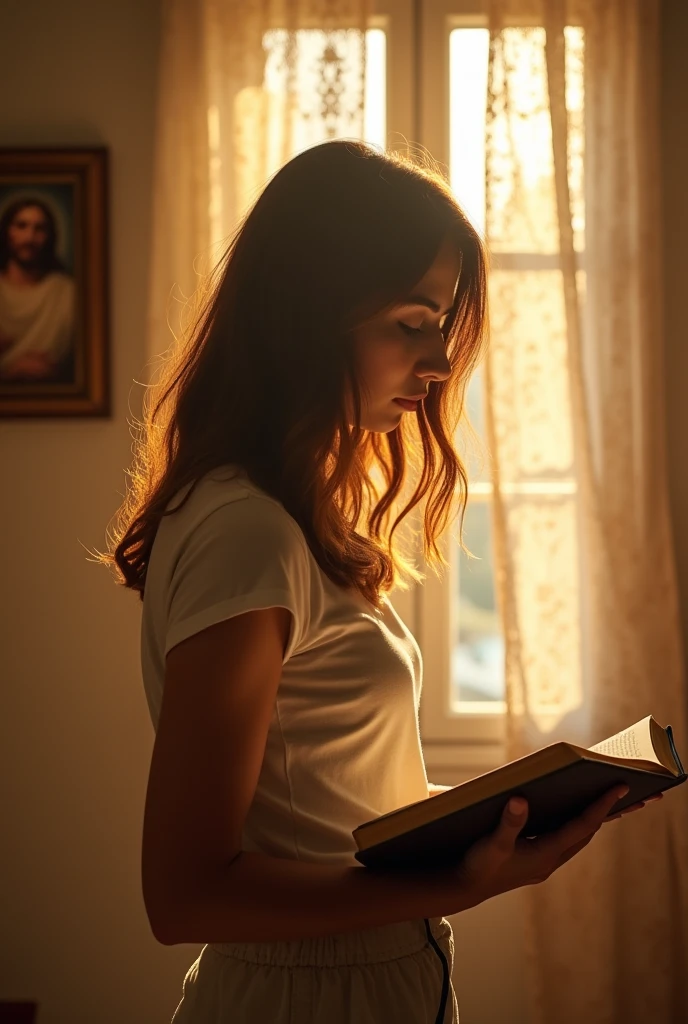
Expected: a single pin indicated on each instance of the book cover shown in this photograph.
(559, 781)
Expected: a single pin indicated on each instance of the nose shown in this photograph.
(435, 365)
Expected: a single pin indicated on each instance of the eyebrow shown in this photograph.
(423, 300)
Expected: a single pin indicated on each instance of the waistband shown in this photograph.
(369, 946)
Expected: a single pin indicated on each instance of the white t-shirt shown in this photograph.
(343, 744)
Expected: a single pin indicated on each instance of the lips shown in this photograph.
(407, 404)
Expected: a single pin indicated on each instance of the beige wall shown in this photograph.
(75, 735)
(675, 221)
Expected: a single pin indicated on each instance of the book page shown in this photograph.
(635, 742)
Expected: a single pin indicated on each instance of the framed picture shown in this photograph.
(54, 296)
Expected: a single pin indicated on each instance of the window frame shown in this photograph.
(417, 78)
(473, 739)
(470, 741)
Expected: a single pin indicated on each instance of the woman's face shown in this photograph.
(401, 351)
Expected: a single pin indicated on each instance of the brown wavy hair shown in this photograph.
(340, 233)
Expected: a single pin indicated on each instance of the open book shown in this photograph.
(559, 781)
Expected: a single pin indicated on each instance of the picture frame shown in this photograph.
(54, 282)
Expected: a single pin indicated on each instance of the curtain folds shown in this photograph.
(242, 88)
(573, 391)
(575, 416)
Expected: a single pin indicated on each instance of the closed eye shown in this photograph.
(416, 330)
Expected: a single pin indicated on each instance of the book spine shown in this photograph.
(674, 751)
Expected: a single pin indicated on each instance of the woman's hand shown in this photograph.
(633, 807)
(502, 861)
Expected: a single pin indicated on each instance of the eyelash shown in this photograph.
(415, 330)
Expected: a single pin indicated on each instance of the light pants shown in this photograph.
(386, 975)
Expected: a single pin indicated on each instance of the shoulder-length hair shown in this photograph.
(340, 233)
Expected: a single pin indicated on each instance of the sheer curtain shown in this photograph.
(242, 88)
(574, 412)
(575, 415)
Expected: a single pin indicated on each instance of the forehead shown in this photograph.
(447, 264)
(33, 214)
(437, 288)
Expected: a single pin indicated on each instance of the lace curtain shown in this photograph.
(583, 546)
(242, 88)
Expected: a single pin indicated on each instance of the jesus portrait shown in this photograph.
(37, 295)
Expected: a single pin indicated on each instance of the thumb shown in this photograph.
(516, 808)
(491, 851)
(513, 819)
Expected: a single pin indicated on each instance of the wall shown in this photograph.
(674, 134)
(75, 736)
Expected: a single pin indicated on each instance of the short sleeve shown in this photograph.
(246, 554)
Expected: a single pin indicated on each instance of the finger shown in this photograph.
(596, 813)
(512, 821)
(590, 820)
(489, 853)
(635, 807)
(619, 815)
(641, 803)
(626, 810)
(500, 844)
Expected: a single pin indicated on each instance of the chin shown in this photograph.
(382, 425)
(381, 422)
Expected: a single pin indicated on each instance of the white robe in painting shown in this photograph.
(39, 317)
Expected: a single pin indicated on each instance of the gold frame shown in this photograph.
(80, 386)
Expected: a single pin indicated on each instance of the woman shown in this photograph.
(332, 355)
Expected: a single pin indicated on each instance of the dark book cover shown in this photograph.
(553, 799)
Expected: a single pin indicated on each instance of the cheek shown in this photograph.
(391, 363)
(384, 357)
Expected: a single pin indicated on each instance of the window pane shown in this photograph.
(338, 67)
(522, 128)
(521, 187)
(375, 113)
(477, 665)
(475, 453)
(477, 645)
(529, 352)
(468, 55)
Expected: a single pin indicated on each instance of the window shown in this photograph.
(426, 84)
(459, 626)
